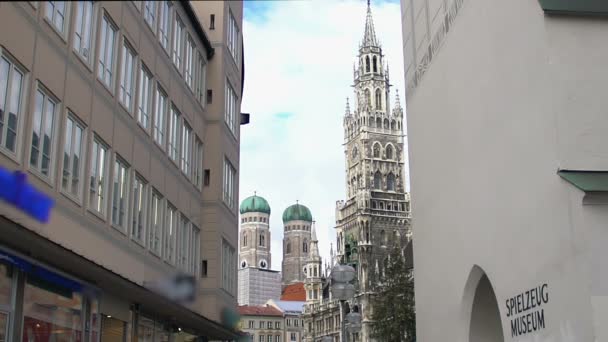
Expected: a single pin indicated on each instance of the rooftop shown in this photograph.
(294, 293)
(247, 310)
(288, 306)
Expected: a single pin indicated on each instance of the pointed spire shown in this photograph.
(397, 100)
(369, 38)
(314, 245)
(347, 112)
(314, 232)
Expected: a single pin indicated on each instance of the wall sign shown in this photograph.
(526, 310)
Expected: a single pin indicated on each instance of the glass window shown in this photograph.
(178, 33)
(138, 209)
(156, 223)
(55, 13)
(51, 312)
(233, 38)
(251, 325)
(195, 250)
(230, 104)
(228, 269)
(120, 192)
(197, 174)
(277, 338)
(144, 108)
(170, 233)
(42, 132)
(72, 156)
(269, 325)
(261, 325)
(164, 24)
(182, 241)
(11, 83)
(127, 76)
(269, 338)
(186, 149)
(201, 79)
(106, 51)
(160, 112)
(145, 328)
(83, 27)
(288, 323)
(6, 286)
(97, 184)
(174, 131)
(277, 325)
(293, 336)
(190, 60)
(229, 183)
(262, 337)
(150, 13)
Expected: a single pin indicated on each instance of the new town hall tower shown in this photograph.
(375, 216)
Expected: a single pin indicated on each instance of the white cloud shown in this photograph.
(299, 60)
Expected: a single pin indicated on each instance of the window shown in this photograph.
(197, 173)
(190, 60)
(150, 13)
(288, 323)
(262, 240)
(82, 30)
(138, 221)
(97, 184)
(160, 112)
(293, 336)
(262, 336)
(251, 324)
(195, 249)
(119, 194)
(56, 13)
(170, 233)
(297, 322)
(288, 248)
(183, 236)
(378, 94)
(178, 32)
(106, 51)
(174, 130)
(277, 338)
(145, 97)
(164, 24)
(390, 182)
(269, 338)
(229, 268)
(376, 151)
(389, 152)
(72, 156)
(229, 183)
(186, 149)
(368, 97)
(230, 103)
(11, 82)
(277, 325)
(201, 79)
(261, 325)
(42, 132)
(305, 247)
(156, 223)
(269, 326)
(233, 38)
(127, 76)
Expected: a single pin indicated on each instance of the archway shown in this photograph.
(485, 324)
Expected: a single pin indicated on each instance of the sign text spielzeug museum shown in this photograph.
(526, 310)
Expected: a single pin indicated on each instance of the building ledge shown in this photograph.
(575, 7)
(587, 181)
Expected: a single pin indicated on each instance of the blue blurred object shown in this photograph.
(15, 190)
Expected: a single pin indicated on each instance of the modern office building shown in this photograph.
(127, 115)
(506, 114)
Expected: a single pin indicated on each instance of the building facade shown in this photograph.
(292, 312)
(297, 221)
(126, 114)
(263, 323)
(257, 285)
(375, 216)
(508, 95)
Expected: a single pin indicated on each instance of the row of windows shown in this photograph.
(269, 338)
(390, 206)
(261, 239)
(254, 219)
(298, 227)
(373, 123)
(304, 247)
(296, 322)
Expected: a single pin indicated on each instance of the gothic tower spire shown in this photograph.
(369, 38)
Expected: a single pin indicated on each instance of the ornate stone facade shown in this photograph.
(297, 221)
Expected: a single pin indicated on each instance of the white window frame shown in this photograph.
(11, 104)
(98, 183)
(189, 62)
(52, 13)
(197, 173)
(173, 141)
(157, 223)
(172, 222)
(83, 30)
(72, 148)
(183, 238)
(230, 106)
(229, 186)
(120, 201)
(228, 267)
(40, 122)
(139, 201)
(107, 51)
(164, 25)
(145, 97)
(150, 12)
(201, 79)
(195, 250)
(233, 34)
(178, 44)
(126, 92)
(186, 149)
(161, 106)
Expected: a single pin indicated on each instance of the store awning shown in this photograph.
(587, 181)
(45, 251)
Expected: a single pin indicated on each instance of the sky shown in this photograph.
(299, 59)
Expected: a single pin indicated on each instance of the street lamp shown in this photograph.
(343, 290)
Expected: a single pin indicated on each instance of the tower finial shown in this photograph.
(368, 5)
(347, 112)
(397, 100)
(369, 38)
(255, 193)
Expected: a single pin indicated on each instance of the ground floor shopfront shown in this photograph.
(48, 293)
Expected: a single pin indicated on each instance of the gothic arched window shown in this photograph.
(244, 239)
(393, 125)
(262, 240)
(378, 99)
(371, 122)
(389, 152)
(366, 63)
(382, 238)
(376, 150)
(386, 123)
(375, 64)
(305, 247)
(378, 123)
(288, 248)
(390, 182)
(368, 97)
(377, 180)
(355, 153)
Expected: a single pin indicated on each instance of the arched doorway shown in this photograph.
(485, 324)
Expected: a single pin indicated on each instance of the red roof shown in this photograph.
(294, 292)
(248, 310)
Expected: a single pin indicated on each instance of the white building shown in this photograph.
(507, 119)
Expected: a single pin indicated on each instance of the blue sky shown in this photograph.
(299, 59)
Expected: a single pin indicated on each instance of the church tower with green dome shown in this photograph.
(254, 246)
(297, 221)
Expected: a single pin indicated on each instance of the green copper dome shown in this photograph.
(297, 212)
(255, 204)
